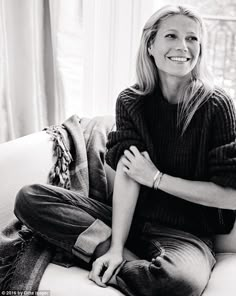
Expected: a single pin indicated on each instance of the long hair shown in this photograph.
(196, 91)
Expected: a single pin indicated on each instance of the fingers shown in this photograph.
(129, 155)
(108, 274)
(96, 273)
(126, 163)
(134, 150)
(146, 155)
(133, 161)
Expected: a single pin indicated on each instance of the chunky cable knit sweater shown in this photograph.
(205, 152)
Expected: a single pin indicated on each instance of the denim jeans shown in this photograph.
(172, 262)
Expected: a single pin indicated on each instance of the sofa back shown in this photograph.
(25, 160)
(28, 160)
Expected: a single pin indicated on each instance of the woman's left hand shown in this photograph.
(139, 166)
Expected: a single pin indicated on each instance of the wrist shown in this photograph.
(157, 180)
(117, 246)
(116, 249)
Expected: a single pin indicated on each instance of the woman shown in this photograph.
(174, 152)
(186, 126)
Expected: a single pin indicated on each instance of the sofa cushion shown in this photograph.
(222, 282)
(75, 279)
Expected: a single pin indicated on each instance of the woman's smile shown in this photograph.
(179, 59)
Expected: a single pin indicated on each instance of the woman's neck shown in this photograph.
(170, 88)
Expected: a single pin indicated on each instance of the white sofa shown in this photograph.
(28, 160)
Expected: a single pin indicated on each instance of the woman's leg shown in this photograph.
(75, 223)
(175, 263)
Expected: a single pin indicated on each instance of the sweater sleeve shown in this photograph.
(222, 155)
(126, 133)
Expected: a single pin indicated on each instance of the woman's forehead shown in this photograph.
(180, 22)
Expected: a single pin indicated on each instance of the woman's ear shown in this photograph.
(150, 50)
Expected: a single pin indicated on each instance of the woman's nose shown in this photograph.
(181, 45)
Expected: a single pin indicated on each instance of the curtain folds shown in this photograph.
(62, 57)
(23, 87)
(112, 32)
(32, 93)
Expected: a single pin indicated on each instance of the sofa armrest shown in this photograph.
(25, 160)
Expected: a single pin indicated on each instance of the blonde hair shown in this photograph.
(196, 91)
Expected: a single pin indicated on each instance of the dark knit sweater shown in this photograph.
(205, 152)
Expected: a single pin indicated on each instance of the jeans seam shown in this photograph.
(94, 213)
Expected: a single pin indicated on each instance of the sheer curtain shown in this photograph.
(33, 54)
(62, 57)
(112, 30)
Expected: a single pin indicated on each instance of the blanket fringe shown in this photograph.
(59, 175)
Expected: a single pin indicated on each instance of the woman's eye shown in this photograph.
(192, 38)
(171, 36)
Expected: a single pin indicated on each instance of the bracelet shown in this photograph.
(158, 181)
(155, 177)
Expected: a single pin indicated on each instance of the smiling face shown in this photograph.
(176, 47)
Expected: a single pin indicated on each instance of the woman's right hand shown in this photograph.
(104, 267)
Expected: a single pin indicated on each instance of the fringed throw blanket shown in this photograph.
(79, 149)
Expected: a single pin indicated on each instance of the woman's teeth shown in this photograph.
(178, 59)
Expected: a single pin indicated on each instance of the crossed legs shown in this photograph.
(172, 263)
